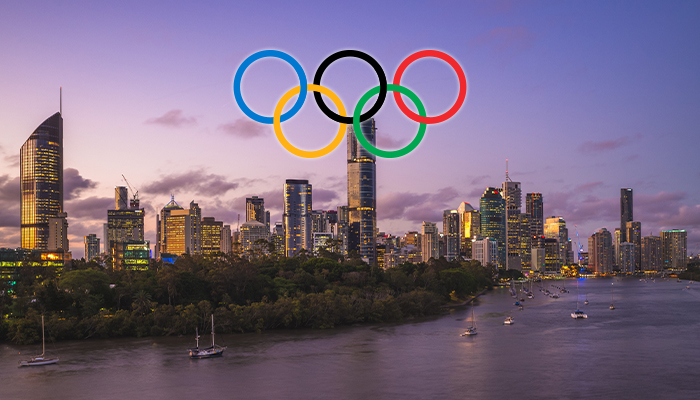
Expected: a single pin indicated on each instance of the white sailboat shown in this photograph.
(209, 352)
(578, 314)
(612, 295)
(42, 359)
(472, 329)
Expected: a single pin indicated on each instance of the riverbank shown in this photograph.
(469, 300)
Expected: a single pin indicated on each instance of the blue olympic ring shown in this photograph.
(276, 54)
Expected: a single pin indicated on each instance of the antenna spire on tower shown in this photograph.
(60, 100)
(507, 177)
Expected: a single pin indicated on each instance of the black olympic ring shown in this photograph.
(377, 68)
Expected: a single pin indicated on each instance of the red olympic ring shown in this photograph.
(460, 97)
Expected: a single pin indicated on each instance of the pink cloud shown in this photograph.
(173, 119)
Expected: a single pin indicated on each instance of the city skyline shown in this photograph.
(576, 153)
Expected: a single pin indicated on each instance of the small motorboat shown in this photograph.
(509, 321)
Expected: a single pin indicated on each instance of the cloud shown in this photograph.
(173, 119)
(74, 184)
(586, 187)
(197, 182)
(479, 179)
(244, 128)
(9, 190)
(90, 208)
(323, 197)
(506, 38)
(606, 145)
(388, 143)
(12, 160)
(416, 207)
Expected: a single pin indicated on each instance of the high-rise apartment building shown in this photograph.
(451, 230)
(525, 242)
(627, 258)
(674, 249)
(297, 217)
(651, 253)
(362, 193)
(534, 207)
(41, 182)
(92, 247)
(485, 251)
(196, 227)
(555, 228)
(617, 236)
(319, 221)
(211, 235)
(634, 235)
(226, 239)
(552, 255)
(252, 233)
(493, 220)
(512, 194)
(470, 227)
(58, 233)
(626, 214)
(255, 210)
(342, 230)
(600, 252)
(277, 238)
(430, 247)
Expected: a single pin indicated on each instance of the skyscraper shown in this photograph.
(534, 207)
(297, 217)
(512, 193)
(600, 251)
(226, 239)
(124, 224)
(429, 241)
(470, 227)
(651, 253)
(627, 257)
(362, 193)
(555, 228)
(674, 249)
(174, 233)
(255, 209)
(211, 235)
(121, 198)
(451, 230)
(58, 233)
(493, 222)
(196, 228)
(41, 181)
(92, 247)
(342, 229)
(626, 214)
(634, 235)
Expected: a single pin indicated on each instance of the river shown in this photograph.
(646, 348)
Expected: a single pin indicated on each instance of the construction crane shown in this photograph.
(134, 193)
(580, 247)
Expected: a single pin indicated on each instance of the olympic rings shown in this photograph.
(362, 56)
(295, 150)
(460, 97)
(239, 75)
(388, 153)
(358, 116)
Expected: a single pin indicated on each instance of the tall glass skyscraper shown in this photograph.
(534, 207)
(493, 220)
(362, 193)
(626, 214)
(297, 217)
(41, 181)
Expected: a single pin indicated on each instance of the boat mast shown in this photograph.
(212, 330)
(43, 339)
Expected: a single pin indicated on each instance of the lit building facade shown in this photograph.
(132, 255)
(297, 217)
(430, 247)
(485, 251)
(251, 232)
(651, 253)
(277, 238)
(627, 258)
(626, 212)
(470, 227)
(525, 242)
(451, 232)
(512, 194)
(362, 193)
(493, 223)
(58, 233)
(175, 234)
(555, 228)
(211, 235)
(674, 249)
(92, 247)
(41, 182)
(600, 252)
(534, 207)
(226, 239)
(255, 210)
(342, 230)
(634, 235)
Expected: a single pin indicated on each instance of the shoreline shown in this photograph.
(469, 300)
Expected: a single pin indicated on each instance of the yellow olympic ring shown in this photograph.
(278, 128)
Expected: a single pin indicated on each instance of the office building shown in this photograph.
(132, 255)
(277, 238)
(627, 258)
(493, 223)
(555, 228)
(253, 233)
(600, 252)
(451, 230)
(626, 212)
(525, 242)
(319, 222)
(512, 194)
(58, 233)
(362, 193)
(538, 260)
(41, 182)
(651, 253)
(552, 256)
(430, 246)
(322, 240)
(674, 249)
(342, 230)
(226, 239)
(255, 210)
(634, 235)
(470, 227)
(297, 217)
(92, 247)
(535, 209)
(178, 230)
(124, 224)
(485, 251)
(121, 198)
(617, 236)
(211, 235)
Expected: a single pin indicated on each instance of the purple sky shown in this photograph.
(583, 98)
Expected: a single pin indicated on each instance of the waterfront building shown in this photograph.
(58, 233)
(555, 228)
(92, 247)
(493, 222)
(430, 247)
(211, 235)
(485, 250)
(362, 193)
(674, 249)
(451, 230)
(512, 194)
(535, 209)
(538, 262)
(634, 235)
(297, 217)
(626, 212)
(470, 227)
(255, 210)
(226, 239)
(552, 255)
(252, 232)
(627, 258)
(600, 252)
(651, 253)
(41, 182)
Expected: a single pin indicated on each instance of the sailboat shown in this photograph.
(472, 329)
(612, 289)
(578, 314)
(209, 352)
(39, 360)
(586, 302)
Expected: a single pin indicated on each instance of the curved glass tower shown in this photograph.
(493, 221)
(41, 181)
(362, 193)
